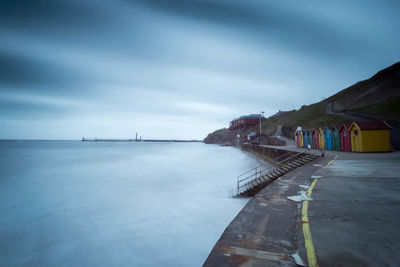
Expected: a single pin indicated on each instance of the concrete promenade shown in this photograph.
(353, 216)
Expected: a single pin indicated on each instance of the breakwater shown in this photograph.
(142, 140)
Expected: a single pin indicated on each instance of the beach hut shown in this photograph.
(310, 139)
(297, 139)
(335, 138)
(305, 138)
(321, 138)
(315, 138)
(328, 138)
(297, 134)
(345, 141)
(300, 141)
(370, 136)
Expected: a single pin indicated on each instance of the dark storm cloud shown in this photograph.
(18, 70)
(212, 11)
(264, 22)
(90, 24)
(9, 109)
(189, 66)
(22, 23)
(41, 15)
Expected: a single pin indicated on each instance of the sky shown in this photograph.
(179, 69)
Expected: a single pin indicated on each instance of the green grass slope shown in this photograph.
(383, 86)
(378, 95)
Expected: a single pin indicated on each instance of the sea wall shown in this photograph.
(268, 153)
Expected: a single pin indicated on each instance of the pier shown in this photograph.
(137, 140)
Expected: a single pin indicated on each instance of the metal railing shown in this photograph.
(245, 179)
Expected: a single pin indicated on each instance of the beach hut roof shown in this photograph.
(344, 125)
(372, 125)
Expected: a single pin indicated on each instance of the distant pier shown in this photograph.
(136, 140)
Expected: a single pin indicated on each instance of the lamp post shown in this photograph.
(261, 114)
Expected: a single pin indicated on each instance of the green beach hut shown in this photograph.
(310, 138)
(335, 138)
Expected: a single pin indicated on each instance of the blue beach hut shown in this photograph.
(328, 138)
(305, 138)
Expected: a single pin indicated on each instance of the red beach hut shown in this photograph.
(315, 138)
(345, 139)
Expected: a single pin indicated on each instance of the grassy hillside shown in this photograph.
(308, 117)
(389, 108)
(379, 95)
(382, 87)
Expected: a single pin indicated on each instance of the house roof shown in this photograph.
(251, 116)
(372, 125)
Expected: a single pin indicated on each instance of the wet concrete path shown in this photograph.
(353, 217)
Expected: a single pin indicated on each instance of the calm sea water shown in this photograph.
(71, 203)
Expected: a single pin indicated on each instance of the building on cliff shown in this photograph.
(246, 121)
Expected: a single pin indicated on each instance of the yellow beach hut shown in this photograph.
(321, 138)
(300, 138)
(371, 136)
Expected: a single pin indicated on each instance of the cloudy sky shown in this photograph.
(180, 68)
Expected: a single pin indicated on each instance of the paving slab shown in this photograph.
(355, 215)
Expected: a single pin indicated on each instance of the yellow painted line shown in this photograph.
(330, 162)
(311, 255)
(309, 191)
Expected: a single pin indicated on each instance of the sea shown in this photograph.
(73, 203)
